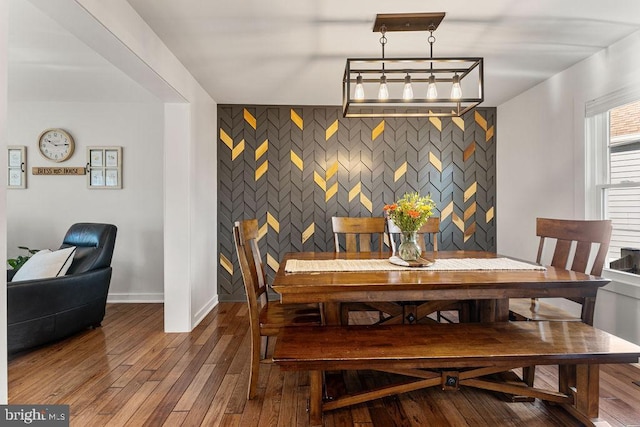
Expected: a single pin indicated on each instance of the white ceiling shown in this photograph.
(293, 53)
(46, 63)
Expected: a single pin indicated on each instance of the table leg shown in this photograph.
(331, 313)
(315, 398)
(493, 310)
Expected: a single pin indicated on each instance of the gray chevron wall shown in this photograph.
(293, 168)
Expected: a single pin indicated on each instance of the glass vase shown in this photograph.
(409, 249)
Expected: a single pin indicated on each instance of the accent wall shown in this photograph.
(293, 168)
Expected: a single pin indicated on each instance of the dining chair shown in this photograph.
(361, 234)
(266, 317)
(580, 245)
(358, 234)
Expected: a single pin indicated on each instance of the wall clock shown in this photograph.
(56, 144)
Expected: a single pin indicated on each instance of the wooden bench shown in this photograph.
(454, 355)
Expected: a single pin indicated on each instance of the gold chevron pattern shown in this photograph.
(458, 121)
(322, 182)
(377, 131)
(262, 149)
(435, 161)
(350, 167)
(226, 264)
(272, 262)
(297, 119)
(228, 141)
(469, 192)
(489, 131)
(436, 122)
(262, 169)
(308, 232)
(489, 215)
(296, 160)
(273, 222)
(355, 191)
(400, 172)
(248, 117)
(331, 130)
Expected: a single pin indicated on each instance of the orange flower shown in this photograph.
(413, 214)
(392, 207)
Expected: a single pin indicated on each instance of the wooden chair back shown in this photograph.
(359, 233)
(581, 234)
(577, 243)
(245, 234)
(428, 232)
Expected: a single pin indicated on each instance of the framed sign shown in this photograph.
(104, 166)
(17, 166)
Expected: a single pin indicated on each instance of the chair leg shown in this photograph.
(256, 344)
(264, 347)
(344, 314)
(528, 375)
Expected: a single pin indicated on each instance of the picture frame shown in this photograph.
(111, 158)
(96, 157)
(17, 166)
(97, 177)
(104, 167)
(111, 178)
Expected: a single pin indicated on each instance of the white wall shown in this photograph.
(39, 216)
(118, 33)
(541, 155)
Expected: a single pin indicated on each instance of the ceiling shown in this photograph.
(46, 63)
(293, 53)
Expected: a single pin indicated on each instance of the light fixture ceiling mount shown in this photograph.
(411, 87)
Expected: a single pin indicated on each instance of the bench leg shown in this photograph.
(588, 387)
(586, 381)
(315, 398)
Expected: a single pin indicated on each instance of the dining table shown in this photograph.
(487, 278)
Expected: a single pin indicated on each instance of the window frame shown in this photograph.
(597, 158)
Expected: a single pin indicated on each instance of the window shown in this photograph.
(615, 135)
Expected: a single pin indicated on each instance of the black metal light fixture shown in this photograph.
(411, 87)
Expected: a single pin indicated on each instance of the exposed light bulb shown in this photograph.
(407, 92)
(359, 90)
(383, 92)
(456, 90)
(432, 90)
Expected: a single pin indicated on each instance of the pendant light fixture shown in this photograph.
(411, 87)
(359, 89)
(407, 91)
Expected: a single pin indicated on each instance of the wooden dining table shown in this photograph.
(491, 289)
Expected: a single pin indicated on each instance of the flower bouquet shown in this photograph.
(409, 214)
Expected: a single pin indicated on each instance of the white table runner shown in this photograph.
(444, 264)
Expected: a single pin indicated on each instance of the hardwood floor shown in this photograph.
(129, 372)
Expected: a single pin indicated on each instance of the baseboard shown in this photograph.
(133, 297)
(197, 318)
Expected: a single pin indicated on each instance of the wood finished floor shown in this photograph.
(128, 372)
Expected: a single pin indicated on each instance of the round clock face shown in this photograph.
(56, 145)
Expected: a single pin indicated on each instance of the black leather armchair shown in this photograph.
(44, 310)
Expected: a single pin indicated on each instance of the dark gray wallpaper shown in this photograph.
(293, 168)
